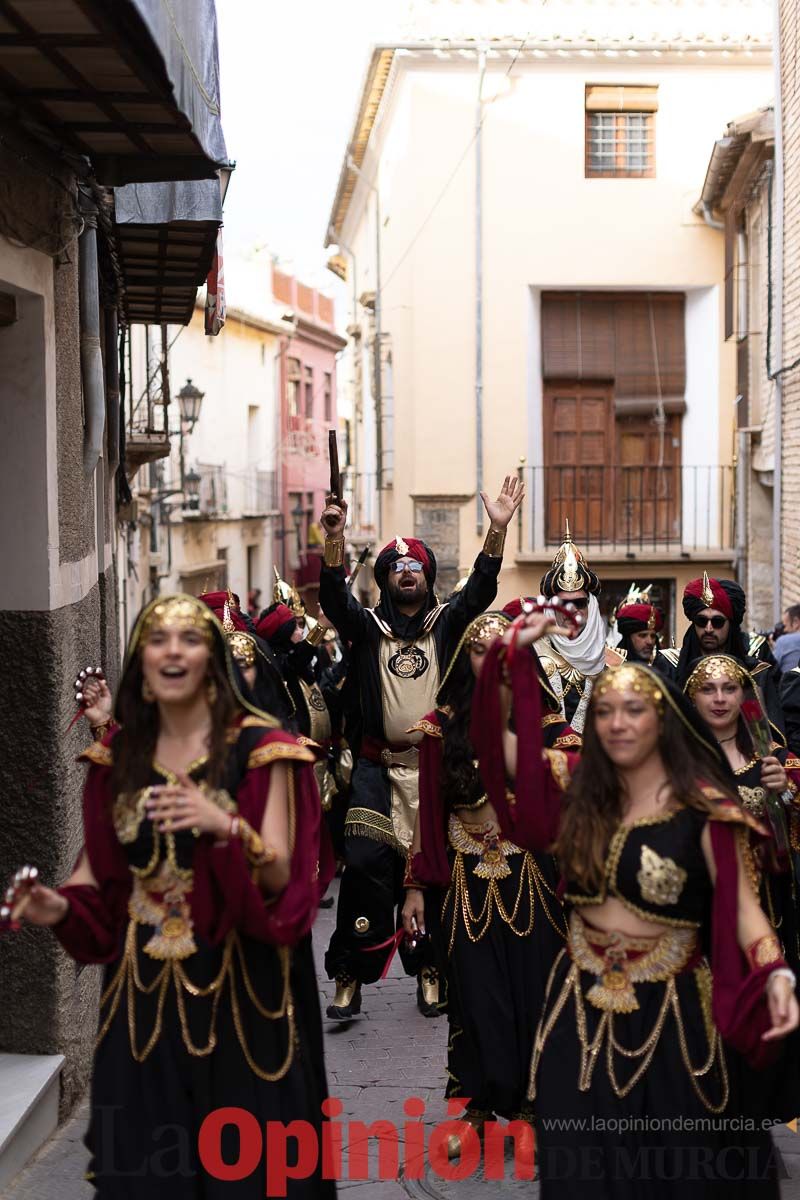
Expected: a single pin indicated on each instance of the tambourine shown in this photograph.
(542, 604)
(86, 674)
(16, 898)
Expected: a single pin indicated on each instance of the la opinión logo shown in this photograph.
(297, 1149)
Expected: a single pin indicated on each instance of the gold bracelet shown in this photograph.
(257, 854)
(763, 951)
(316, 636)
(100, 731)
(334, 551)
(494, 543)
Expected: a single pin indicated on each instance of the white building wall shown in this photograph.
(236, 438)
(545, 226)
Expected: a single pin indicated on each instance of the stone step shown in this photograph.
(29, 1094)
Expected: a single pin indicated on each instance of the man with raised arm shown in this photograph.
(399, 650)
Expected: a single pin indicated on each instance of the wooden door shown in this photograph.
(648, 480)
(578, 445)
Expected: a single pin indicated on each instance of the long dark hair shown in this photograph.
(135, 743)
(593, 804)
(460, 781)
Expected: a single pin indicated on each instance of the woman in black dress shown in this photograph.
(630, 1062)
(200, 872)
(490, 905)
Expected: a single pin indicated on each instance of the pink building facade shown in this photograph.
(308, 410)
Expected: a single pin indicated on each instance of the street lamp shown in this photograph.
(190, 399)
(192, 482)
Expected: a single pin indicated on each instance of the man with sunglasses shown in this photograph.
(716, 610)
(398, 651)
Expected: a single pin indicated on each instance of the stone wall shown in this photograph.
(49, 1004)
(436, 521)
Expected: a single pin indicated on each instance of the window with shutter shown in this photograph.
(611, 362)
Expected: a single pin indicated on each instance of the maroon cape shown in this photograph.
(224, 896)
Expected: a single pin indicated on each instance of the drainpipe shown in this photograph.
(712, 222)
(775, 352)
(742, 475)
(94, 407)
(378, 360)
(479, 294)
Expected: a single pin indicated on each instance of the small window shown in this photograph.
(328, 397)
(308, 385)
(293, 387)
(620, 132)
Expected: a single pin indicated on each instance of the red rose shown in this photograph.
(752, 711)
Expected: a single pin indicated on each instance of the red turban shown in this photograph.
(636, 618)
(274, 620)
(216, 601)
(724, 595)
(514, 607)
(414, 548)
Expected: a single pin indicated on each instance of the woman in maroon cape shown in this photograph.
(490, 905)
(637, 1050)
(720, 687)
(201, 870)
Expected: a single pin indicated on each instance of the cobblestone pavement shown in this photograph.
(374, 1065)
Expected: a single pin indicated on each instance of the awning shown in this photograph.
(166, 236)
(132, 84)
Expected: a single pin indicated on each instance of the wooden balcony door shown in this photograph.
(648, 487)
(578, 449)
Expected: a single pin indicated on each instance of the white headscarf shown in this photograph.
(587, 652)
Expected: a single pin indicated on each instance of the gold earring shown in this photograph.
(211, 692)
(148, 695)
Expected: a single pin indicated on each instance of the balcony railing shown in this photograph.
(213, 492)
(628, 510)
(260, 492)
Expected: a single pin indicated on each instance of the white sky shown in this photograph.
(291, 76)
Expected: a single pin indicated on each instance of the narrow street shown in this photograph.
(374, 1064)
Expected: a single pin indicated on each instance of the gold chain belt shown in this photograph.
(488, 846)
(619, 961)
(127, 982)
(533, 889)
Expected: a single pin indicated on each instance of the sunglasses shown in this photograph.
(580, 604)
(397, 568)
(714, 622)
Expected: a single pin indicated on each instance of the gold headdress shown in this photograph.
(284, 593)
(185, 612)
(483, 630)
(486, 628)
(630, 678)
(243, 648)
(707, 594)
(713, 668)
(227, 619)
(567, 566)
